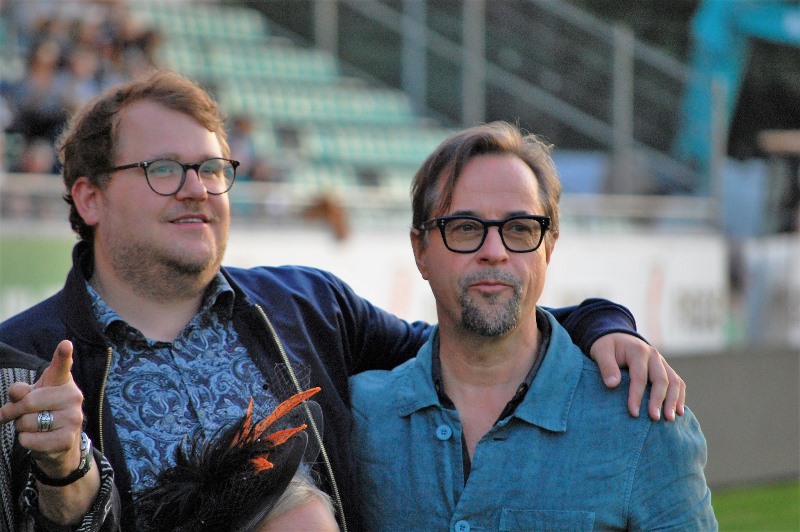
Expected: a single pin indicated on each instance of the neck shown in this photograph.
(482, 375)
(487, 362)
(160, 310)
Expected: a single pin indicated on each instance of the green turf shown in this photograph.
(32, 268)
(763, 508)
(34, 261)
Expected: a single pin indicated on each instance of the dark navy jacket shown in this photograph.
(327, 331)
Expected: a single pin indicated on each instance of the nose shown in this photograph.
(493, 249)
(193, 187)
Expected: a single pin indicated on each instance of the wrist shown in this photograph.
(84, 466)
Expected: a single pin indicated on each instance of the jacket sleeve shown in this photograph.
(594, 318)
(389, 341)
(379, 339)
(103, 516)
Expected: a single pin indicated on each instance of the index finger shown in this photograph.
(13, 408)
(58, 372)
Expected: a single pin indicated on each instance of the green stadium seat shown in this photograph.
(347, 137)
(278, 63)
(367, 146)
(206, 21)
(179, 56)
(303, 104)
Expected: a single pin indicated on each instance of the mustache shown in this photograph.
(491, 274)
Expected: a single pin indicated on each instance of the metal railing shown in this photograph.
(579, 79)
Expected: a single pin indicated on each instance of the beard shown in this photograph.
(493, 317)
(163, 274)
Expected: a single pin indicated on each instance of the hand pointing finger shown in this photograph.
(58, 372)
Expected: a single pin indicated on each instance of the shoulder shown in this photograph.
(372, 389)
(11, 358)
(592, 389)
(368, 384)
(681, 437)
(286, 279)
(35, 329)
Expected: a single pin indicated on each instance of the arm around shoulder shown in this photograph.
(593, 318)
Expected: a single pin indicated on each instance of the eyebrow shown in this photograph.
(466, 212)
(174, 156)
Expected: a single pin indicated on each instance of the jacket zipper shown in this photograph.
(298, 388)
(311, 422)
(102, 397)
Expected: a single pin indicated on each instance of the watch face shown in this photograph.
(86, 452)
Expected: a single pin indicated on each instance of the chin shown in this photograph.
(194, 264)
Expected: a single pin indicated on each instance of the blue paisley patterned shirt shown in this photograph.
(162, 392)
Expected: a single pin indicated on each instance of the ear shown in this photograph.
(87, 199)
(419, 245)
(548, 249)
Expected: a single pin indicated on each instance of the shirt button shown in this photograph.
(443, 432)
(461, 526)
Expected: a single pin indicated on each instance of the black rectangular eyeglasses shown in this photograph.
(466, 234)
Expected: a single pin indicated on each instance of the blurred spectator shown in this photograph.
(39, 108)
(242, 145)
(78, 82)
(38, 157)
(75, 49)
(243, 148)
(327, 208)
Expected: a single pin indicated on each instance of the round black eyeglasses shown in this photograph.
(466, 234)
(166, 176)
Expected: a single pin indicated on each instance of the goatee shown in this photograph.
(492, 321)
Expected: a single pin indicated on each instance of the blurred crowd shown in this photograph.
(71, 50)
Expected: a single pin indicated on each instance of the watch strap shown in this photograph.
(83, 468)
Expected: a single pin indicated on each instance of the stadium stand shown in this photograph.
(311, 131)
(325, 133)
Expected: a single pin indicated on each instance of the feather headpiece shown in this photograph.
(233, 480)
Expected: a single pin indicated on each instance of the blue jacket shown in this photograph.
(327, 331)
(570, 457)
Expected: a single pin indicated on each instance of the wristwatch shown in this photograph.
(83, 468)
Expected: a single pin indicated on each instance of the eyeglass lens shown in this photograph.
(467, 234)
(166, 176)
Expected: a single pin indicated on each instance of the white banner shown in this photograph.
(772, 290)
(676, 286)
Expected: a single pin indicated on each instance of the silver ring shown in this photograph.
(45, 420)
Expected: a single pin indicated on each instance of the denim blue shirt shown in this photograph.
(570, 457)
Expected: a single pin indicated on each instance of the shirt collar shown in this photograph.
(219, 297)
(547, 401)
(525, 385)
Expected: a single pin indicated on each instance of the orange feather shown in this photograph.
(279, 437)
(261, 463)
(245, 424)
(283, 408)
